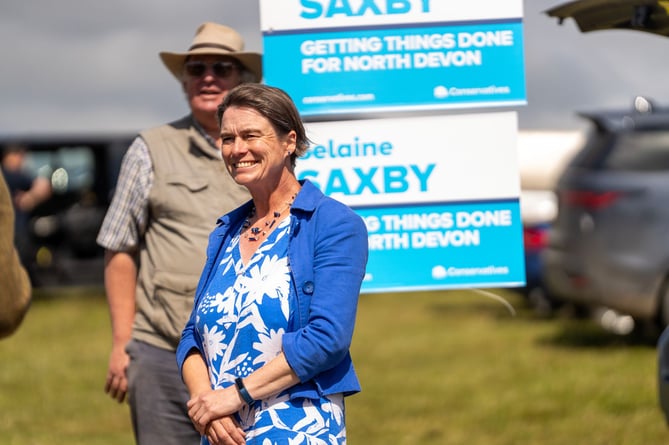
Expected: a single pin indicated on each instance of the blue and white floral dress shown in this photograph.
(241, 319)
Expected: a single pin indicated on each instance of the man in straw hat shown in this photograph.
(171, 189)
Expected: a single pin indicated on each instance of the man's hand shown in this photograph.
(117, 378)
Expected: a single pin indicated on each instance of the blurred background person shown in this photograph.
(172, 187)
(27, 190)
(268, 341)
(15, 289)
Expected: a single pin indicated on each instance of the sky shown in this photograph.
(80, 66)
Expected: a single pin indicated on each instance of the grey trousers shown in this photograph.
(157, 398)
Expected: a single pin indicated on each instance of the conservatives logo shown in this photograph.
(442, 92)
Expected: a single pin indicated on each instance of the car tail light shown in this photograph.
(589, 199)
(534, 238)
(578, 281)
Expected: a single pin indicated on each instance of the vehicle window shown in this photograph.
(39, 163)
(640, 151)
(71, 169)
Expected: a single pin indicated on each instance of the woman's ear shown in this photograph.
(291, 141)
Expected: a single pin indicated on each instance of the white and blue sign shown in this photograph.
(444, 245)
(350, 57)
(439, 195)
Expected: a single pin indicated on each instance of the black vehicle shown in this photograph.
(60, 247)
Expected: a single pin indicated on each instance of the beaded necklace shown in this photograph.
(256, 232)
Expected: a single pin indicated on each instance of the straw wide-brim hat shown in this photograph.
(212, 38)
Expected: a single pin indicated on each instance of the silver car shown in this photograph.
(651, 17)
(609, 245)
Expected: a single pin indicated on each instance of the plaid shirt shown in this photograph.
(125, 222)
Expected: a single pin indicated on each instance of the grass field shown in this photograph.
(436, 368)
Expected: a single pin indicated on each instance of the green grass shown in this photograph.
(436, 368)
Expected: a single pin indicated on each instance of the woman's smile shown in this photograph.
(244, 164)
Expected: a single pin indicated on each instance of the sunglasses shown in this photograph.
(220, 69)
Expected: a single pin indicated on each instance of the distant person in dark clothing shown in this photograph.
(27, 191)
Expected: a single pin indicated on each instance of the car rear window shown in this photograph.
(639, 151)
(625, 151)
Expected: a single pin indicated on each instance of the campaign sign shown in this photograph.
(350, 57)
(439, 196)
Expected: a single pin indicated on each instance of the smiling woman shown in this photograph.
(265, 353)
